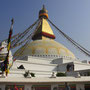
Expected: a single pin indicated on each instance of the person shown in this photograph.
(20, 88)
(8, 89)
(16, 88)
(67, 87)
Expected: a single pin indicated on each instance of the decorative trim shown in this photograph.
(39, 35)
(48, 35)
(43, 14)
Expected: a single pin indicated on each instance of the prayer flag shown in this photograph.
(6, 62)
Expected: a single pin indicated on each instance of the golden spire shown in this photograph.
(44, 31)
(43, 13)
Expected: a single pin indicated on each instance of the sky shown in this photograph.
(71, 16)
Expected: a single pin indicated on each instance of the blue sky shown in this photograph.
(71, 16)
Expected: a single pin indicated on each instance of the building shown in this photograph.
(41, 60)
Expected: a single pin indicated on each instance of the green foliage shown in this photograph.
(88, 73)
(27, 73)
(60, 74)
(32, 74)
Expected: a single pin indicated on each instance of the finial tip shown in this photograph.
(12, 20)
(43, 6)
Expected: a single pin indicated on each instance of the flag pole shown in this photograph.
(6, 62)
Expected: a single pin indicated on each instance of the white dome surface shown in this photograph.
(44, 48)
